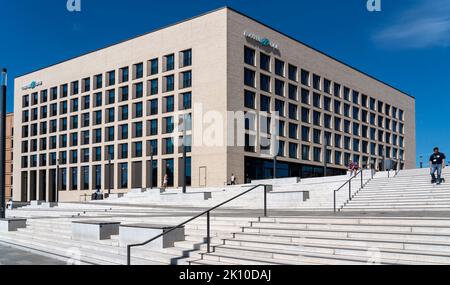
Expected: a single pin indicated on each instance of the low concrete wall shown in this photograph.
(94, 230)
(139, 233)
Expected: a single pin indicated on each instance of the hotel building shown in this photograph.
(108, 119)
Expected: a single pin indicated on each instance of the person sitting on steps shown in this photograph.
(437, 164)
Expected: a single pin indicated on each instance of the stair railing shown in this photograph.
(267, 188)
(349, 183)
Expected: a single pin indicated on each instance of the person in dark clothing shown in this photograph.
(437, 163)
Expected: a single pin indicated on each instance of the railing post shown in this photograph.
(334, 201)
(349, 189)
(128, 255)
(208, 236)
(362, 183)
(265, 200)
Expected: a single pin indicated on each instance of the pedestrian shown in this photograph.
(233, 179)
(437, 163)
(165, 181)
(353, 167)
(97, 194)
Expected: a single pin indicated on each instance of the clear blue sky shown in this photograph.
(407, 44)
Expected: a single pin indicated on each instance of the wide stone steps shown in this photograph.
(355, 248)
(304, 256)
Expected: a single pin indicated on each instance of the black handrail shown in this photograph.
(207, 212)
(349, 182)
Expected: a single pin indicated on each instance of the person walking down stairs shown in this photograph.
(437, 164)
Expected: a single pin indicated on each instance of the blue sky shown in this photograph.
(407, 44)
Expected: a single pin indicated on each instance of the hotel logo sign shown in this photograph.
(265, 42)
(32, 85)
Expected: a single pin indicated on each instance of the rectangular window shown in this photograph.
(138, 70)
(170, 83)
(186, 79)
(249, 56)
(292, 72)
(279, 67)
(98, 81)
(264, 62)
(186, 58)
(154, 107)
(249, 77)
(279, 87)
(124, 74)
(111, 78)
(265, 83)
(154, 66)
(170, 62)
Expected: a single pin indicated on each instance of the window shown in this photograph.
(293, 131)
(109, 113)
(138, 90)
(137, 149)
(249, 99)
(186, 79)
(98, 81)
(305, 152)
(317, 153)
(169, 125)
(305, 77)
(169, 104)
(138, 70)
(249, 56)
(249, 77)
(73, 178)
(279, 67)
(170, 62)
(305, 115)
(137, 129)
(337, 90)
(153, 127)
(153, 86)
(97, 153)
(74, 87)
(97, 135)
(168, 146)
(123, 175)
(293, 150)
(305, 96)
(316, 100)
(292, 92)
(292, 72)
(123, 151)
(86, 85)
(316, 118)
(154, 107)
(110, 134)
(138, 109)
(64, 91)
(154, 66)
(265, 103)
(123, 93)
(316, 82)
(327, 86)
(317, 134)
(279, 107)
(85, 177)
(292, 111)
(111, 78)
(279, 87)
(186, 58)
(265, 83)
(124, 74)
(305, 134)
(98, 99)
(86, 102)
(169, 86)
(264, 62)
(187, 101)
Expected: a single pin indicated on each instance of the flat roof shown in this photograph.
(242, 14)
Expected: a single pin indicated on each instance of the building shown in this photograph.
(117, 110)
(9, 155)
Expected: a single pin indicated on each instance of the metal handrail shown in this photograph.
(349, 182)
(207, 212)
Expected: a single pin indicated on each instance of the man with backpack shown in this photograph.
(437, 163)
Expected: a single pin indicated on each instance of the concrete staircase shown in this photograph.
(335, 240)
(410, 190)
(392, 220)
